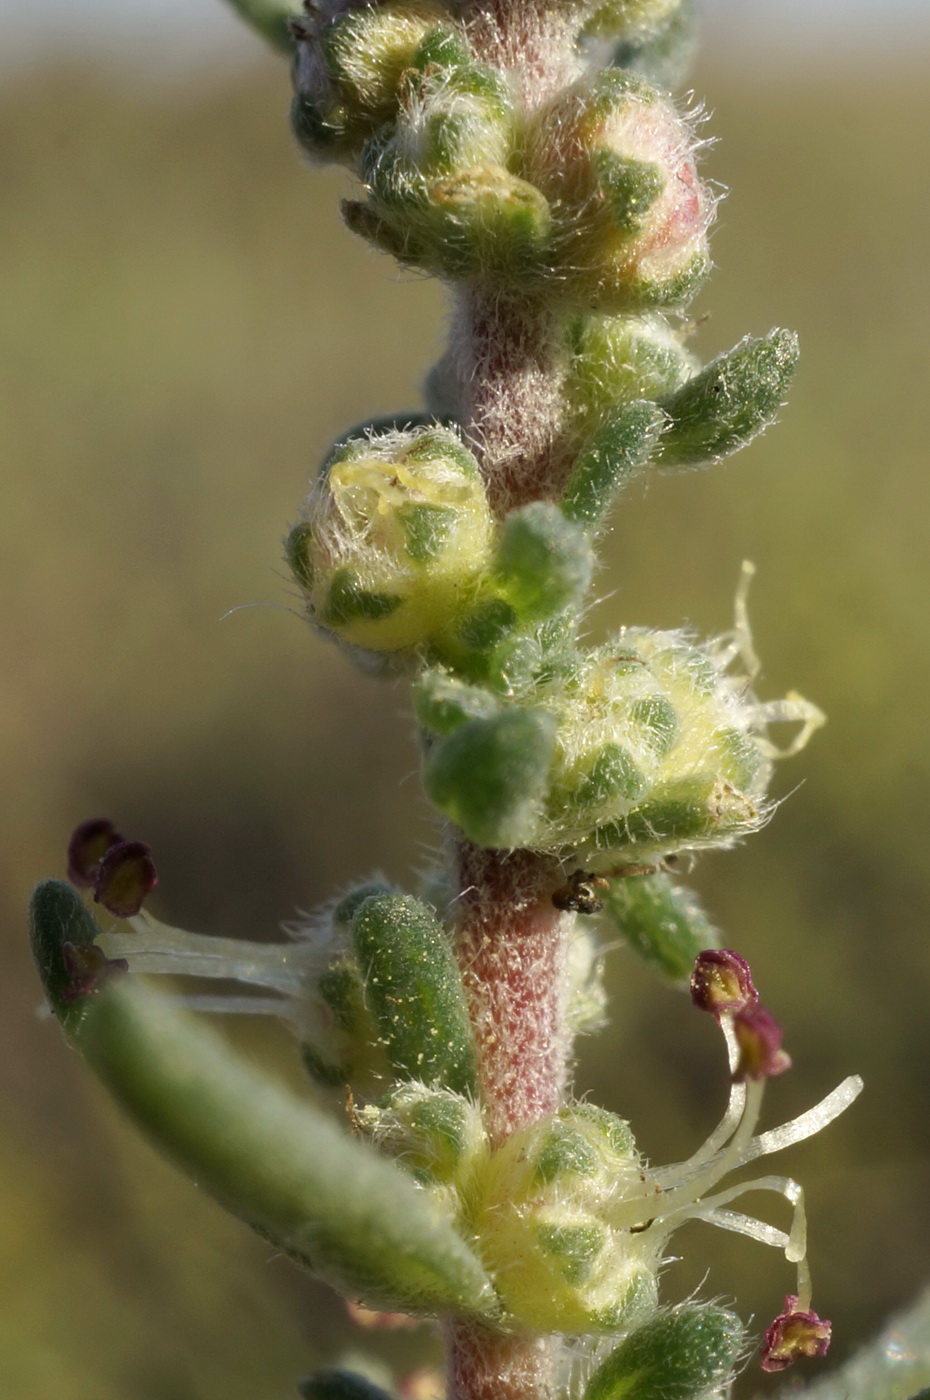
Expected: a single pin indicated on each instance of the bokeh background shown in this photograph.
(184, 326)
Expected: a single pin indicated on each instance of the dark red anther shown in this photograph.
(759, 1038)
(721, 981)
(89, 969)
(88, 845)
(793, 1334)
(126, 875)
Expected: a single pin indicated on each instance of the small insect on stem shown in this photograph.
(579, 894)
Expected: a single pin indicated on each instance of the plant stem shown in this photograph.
(512, 406)
(511, 940)
(511, 946)
(485, 1364)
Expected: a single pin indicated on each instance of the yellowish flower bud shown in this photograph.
(396, 538)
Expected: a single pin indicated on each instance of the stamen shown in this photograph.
(233, 1005)
(158, 948)
(793, 708)
(743, 1225)
(795, 1332)
(807, 1124)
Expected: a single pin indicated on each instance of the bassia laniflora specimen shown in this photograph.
(529, 153)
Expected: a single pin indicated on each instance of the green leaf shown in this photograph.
(271, 1158)
(610, 459)
(663, 922)
(443, 703)
(413, 988)
(678, 1355)
(489, 776)
(730, 402)
(270, 19)
(544, 561)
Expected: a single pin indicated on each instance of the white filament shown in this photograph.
(154, 947)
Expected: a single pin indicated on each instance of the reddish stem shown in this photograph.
(510, 378)
(484, 1364)
(511, 945)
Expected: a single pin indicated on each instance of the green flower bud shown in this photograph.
(396, 538)
(348, 70)
(632, 751)
(439, 176)
(487, 222)
(437, 1136)
(616, 359)
(616, 161)
(544, 1226)
(657, 747)
(453, 119)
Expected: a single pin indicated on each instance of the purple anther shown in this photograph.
(126, 875)
(794, 1333)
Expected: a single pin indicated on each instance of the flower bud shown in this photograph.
(396, 538)
(656, 751)
(616, 161)
(616, 359)
(455, 116)
(794, 1333)
(348, 70)
(631, 751)
(436, 1134)
(442, 193)
(545, 1226)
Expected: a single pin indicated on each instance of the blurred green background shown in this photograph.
(184, 325)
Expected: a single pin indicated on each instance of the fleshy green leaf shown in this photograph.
(677, 1355)
(610, 459)
(489, 775)
(271, 1158)
(663, 921)
(413, 988)
(544, 562)
(724, 407)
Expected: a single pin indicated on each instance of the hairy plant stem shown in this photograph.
(486, 1364)
(511, 940)
(510, 387)
(511, 947)
(532, 41)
